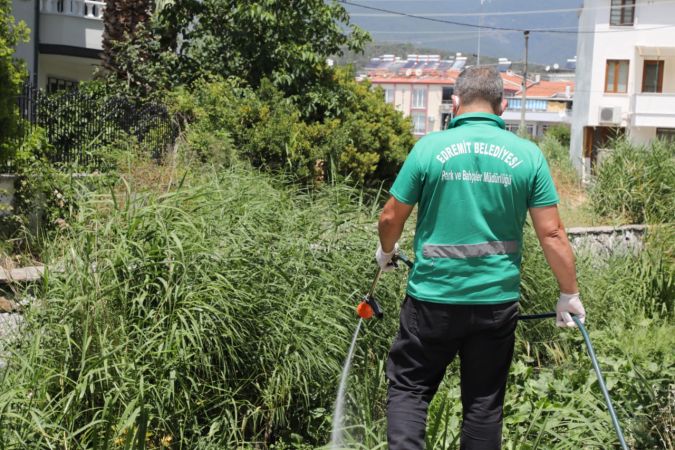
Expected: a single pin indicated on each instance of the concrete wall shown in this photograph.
(642, 135)
(608, 241)
(25, 10)
(434, 101)
(61, 29)
(65, 67)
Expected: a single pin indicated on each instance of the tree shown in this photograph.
(285, 41)
(122, 20)
(12, 76)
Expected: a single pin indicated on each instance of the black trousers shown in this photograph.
(429, 337)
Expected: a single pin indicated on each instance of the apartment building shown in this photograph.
(421, 87)
(65, 41)
(625, 75)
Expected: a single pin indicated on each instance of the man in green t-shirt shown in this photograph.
(473, 185)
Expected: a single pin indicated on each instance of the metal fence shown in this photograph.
(82, 125)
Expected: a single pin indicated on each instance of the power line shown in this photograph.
(430, 19)
(497, 28)
(510, 13)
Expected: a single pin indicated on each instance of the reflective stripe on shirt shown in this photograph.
(470, 250)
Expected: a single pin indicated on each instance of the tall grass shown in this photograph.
(637, 183)
(217, 314)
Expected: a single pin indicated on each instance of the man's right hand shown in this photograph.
(384, 259)
(569, 304)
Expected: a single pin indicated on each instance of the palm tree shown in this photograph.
(120, 19)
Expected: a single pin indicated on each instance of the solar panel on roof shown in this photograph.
(409, 64)
(571, 64)
(459, 64)
(445, 65)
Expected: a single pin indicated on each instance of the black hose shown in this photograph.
(601, 382)
(596, 367)
(546, 315)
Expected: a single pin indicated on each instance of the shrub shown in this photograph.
(561, 133)
(366, 139)
(637, 183)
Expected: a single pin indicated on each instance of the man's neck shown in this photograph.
(476, 107)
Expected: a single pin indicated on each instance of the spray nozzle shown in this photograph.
(369, 308)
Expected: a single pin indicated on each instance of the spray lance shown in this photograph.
(369, 308)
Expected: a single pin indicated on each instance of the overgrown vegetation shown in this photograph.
(637, 183)
(216, 313)
(212, 309)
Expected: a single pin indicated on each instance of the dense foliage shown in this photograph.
(12, 75)
(286, 42)
(636, 183)
(367, 140)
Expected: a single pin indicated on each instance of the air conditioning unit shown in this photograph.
(610, 114)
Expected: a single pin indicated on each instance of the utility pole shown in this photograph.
(480, 22)
(522, 129)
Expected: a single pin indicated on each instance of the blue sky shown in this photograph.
(545, 48)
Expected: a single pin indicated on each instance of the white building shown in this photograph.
(625, 75)
(65, 40)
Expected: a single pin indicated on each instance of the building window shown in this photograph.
(447, 94)
(616, 76)
(530, 104)
(389, 95)
(530, 129)
(58, 84)
(419, 99)
(667, 134)
(419, 122)
(652, 76)
(622, 13)
(446, 118)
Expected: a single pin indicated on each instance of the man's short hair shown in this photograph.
(480, 83)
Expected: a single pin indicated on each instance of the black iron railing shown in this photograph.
(81, 125)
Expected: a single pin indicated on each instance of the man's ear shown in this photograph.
(504, 104)
(455, 104)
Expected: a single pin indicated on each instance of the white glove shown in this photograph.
(384, 259)
(569, 304)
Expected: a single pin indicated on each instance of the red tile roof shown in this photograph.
(550, 89)
(512, 83)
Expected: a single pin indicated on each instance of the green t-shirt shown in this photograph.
(473, 184)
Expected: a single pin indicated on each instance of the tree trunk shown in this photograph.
(120, 19)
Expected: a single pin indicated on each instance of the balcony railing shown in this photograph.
(89, 9)
(654, 109)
